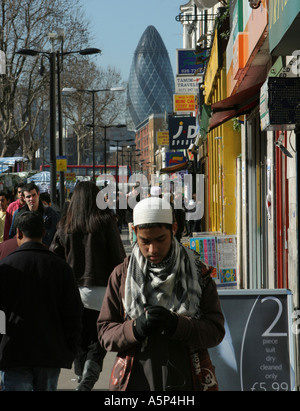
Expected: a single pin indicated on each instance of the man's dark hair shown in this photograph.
(31, 224)
(4, 194)
(45, 197)
(31, 186)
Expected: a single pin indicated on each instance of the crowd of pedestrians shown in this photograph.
(70, 294)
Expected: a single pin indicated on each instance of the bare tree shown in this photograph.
(23, 91)
(78, 107)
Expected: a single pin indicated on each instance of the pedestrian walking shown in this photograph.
(33, 203)
(13, 206)
(7, 247)
(3, 207)
(43, 309)
(161, 310)
(89, 240)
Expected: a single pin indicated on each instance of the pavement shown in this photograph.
(68, 379)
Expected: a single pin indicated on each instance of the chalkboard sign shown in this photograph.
(257, 353)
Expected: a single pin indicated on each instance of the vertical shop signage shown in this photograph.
(162, 138)
(182, 131)
(186, 62)
(173, 158)
(184, 103)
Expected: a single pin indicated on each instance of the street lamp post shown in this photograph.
(105, 140)
(52, 56)
(70, 90)
(117, 162)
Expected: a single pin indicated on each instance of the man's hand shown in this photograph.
(166, 318)
(154, 318)
(145, 325)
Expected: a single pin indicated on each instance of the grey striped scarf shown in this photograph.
(174, 284)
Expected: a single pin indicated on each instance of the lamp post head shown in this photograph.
(117, 89)
(89, 51)
(84, 52)
(28, 52)
(69, 90)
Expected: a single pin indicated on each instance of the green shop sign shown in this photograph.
(284, 31)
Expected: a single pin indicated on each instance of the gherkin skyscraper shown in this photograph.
(151, 80)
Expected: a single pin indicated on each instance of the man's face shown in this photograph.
(32, 199)
(3, 203)
(21, 195)
(154, 243)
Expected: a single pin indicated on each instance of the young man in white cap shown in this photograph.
(161, 311)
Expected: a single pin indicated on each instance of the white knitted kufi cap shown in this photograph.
(152, 210)
(155, 191)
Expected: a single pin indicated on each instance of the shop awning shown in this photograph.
(7, 162)
(177, 167)
(234, 106)
(205, 119)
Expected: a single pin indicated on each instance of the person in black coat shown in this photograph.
(34, 203)
(43, 310)
(88, 238)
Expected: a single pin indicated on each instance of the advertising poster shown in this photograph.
(218, 251)
(206, 247)
(227, 259)
(258, 350)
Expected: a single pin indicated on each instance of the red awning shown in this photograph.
(234, 106)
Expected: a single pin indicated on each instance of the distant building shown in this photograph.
(151, 80)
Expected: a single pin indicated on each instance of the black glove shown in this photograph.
(145, 325)
(166, 318)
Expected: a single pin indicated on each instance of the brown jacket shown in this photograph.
(116, 334)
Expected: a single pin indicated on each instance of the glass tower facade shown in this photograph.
(151, 80)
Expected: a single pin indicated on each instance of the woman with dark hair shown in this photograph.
(89, 240)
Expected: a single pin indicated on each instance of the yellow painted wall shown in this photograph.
(224, 146)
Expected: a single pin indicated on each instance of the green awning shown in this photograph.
(205, 119)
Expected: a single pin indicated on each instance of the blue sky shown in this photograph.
(117, 26)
